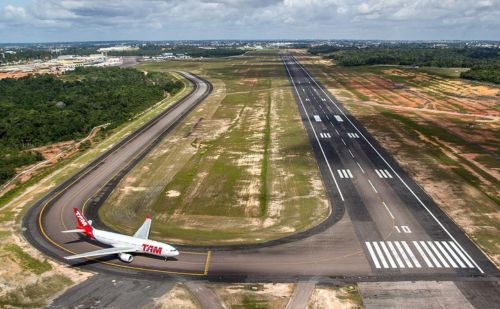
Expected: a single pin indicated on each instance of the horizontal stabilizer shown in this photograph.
(74, 231)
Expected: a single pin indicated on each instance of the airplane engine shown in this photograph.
(127, 258)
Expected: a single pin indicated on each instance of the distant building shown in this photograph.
(117, 48)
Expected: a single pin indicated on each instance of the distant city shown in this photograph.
(22, 59)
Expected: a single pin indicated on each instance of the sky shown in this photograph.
(96, 20)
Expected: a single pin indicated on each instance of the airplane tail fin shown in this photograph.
(82, 223)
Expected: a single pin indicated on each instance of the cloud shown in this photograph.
(205, 19)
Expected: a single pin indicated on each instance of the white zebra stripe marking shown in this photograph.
(380, 255)
(387, 254)
(403, 254)
(410, 253)
(459, 261)
(439, 256)
(345, 173)
(395, 254)
(457, 250)
(372, 254)
(383, 173)
(398, 254)
(388, 174)
(446, 255)
(429, 253)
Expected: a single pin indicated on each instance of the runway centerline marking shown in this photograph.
(373, 187)
(387, 208)
(362, 171)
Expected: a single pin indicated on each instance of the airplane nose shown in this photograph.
(176, 253)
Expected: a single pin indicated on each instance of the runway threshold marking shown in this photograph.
(435, 254)
(461, 249)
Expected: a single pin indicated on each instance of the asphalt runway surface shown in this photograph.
(382, 225)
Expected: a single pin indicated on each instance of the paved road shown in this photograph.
(382, 224)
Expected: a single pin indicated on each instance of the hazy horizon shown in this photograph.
(37, 21)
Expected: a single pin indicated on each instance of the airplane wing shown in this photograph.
(102, 252)
(143, 231)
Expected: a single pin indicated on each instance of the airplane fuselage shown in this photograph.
(143, 245)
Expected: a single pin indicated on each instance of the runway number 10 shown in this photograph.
(404, 228)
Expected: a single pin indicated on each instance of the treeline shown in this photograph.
(484, 62)
(44, 54)
(322, 49)
(193, 51)
(488, 72)
(44, 109)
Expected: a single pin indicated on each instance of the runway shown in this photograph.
(382, 225)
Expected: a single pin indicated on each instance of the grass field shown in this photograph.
(449, 126)
(253, 296)
(239, 169)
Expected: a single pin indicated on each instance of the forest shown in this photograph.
(193, 51)
(44, 109)
(484, 63)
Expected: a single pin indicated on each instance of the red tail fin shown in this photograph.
(82, 223)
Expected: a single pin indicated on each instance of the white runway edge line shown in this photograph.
(315, 135)
(392, 169)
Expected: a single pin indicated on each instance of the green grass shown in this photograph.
(4, 234)
(36, 294)
(27, 262)
(443, 72)
(264, 194)
(214, 204)
(6, 216)
(346, 85)
(252, 302)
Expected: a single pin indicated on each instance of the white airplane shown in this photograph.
(122, 245)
